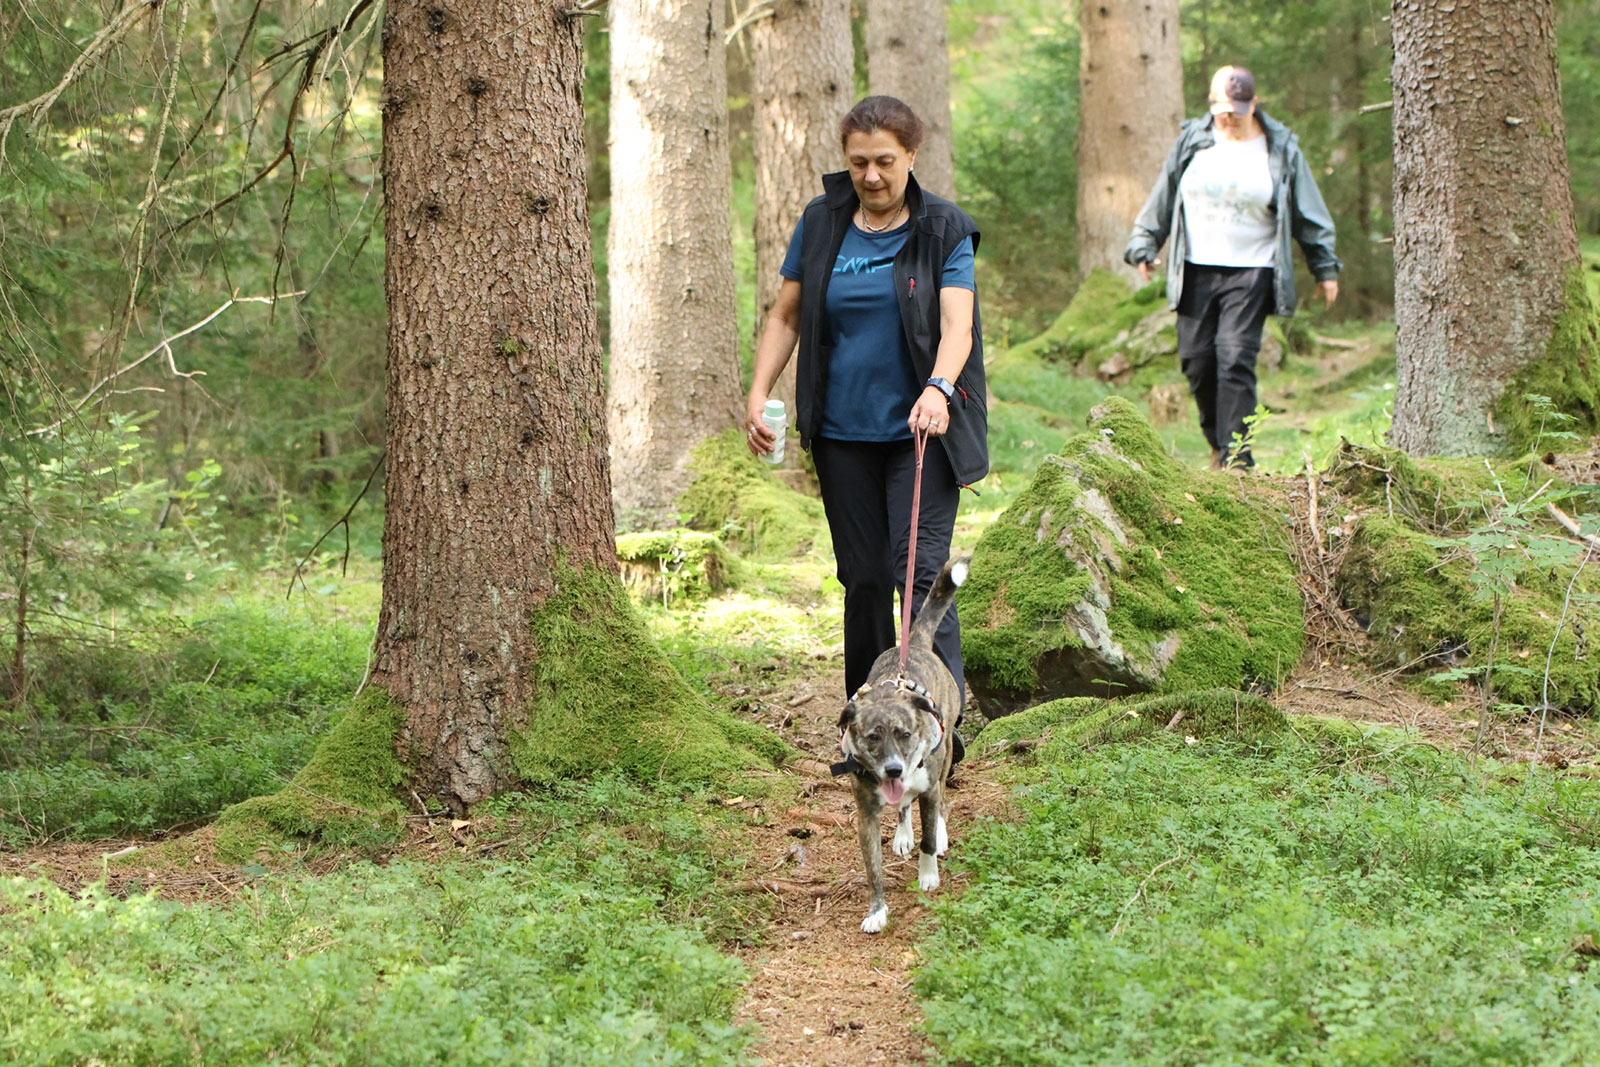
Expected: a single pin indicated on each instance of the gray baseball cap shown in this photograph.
(1233, 89)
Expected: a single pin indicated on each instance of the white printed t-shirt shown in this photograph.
(1227, 199)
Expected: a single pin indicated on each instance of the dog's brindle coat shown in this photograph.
(901, 731)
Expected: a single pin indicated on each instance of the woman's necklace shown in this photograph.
(869, 227)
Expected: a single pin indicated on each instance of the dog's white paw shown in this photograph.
(903, 841)
(941, 841)
(927, 873)
(878, 916)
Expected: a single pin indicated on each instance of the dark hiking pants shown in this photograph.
(866, 489)
(1220, 316)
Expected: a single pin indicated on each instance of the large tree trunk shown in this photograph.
(1484, 235)
(1131, 77)
(674, 327)
(804, 64)
(496, 423)
(908, 56)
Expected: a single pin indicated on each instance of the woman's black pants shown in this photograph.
(866, 489)
(1220, 316)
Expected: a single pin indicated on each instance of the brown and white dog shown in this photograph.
(898, 735)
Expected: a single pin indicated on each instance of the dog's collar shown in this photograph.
(849, 765)
(899, 683)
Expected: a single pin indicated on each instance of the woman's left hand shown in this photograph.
(931, 413)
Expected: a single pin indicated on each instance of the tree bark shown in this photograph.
(1131, 79)
(496, 420)
(674, 327)
(908, 56)
(1484, 234)
(804, 64)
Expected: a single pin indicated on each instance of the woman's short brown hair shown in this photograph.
(883, 113)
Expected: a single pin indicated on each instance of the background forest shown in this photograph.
(192, 353)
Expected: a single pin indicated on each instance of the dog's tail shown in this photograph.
(940, 597)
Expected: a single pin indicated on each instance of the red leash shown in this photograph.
(920, 437)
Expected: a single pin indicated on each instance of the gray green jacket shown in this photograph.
(1301, 213)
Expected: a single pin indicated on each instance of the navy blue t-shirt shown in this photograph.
(871, 381)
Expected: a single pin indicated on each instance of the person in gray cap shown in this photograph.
(1235, 190)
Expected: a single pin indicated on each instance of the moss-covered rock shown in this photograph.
(605, 698)
(1202, 715)
(1103, 308)
(667, 564)
(737, 497)
(1422, 608)
(1119, 570)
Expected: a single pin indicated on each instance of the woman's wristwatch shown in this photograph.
(943, 385)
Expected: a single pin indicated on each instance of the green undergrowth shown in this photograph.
(737, 496)
(588, 935)
(1254, 897)
(1201, 561)
(166, 731)
(605, 697)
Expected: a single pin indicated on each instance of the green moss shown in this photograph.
(604, 698)
(1421, 606)
(1103, 307)
(736, 496)
(345, 794)
(667, 564)
(1198, 561)
(1569, 374)
(1035, 722)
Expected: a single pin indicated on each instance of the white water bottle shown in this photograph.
(775, 419)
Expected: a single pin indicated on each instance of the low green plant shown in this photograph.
(582, 942)
(168, 730)
(1184, 900)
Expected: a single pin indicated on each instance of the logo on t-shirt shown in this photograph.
(861, 264)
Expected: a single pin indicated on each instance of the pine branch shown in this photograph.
(99, 45)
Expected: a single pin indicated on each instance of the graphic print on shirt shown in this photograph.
(1227, 193)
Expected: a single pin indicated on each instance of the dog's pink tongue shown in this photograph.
(893, 789)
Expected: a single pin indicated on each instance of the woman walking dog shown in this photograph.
(878, 292)
(1234, 191)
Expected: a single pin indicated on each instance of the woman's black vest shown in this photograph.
(937, 226)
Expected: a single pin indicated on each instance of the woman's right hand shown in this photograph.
(758, 437)
(1145, 271)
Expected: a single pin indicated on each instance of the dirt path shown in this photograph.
(823, 992)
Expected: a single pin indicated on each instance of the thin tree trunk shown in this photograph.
(1131, 77)
(496, 418)
(804, 59)
(1484, 234)
(674, 327)
(908, 56)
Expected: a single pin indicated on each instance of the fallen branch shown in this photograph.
(1571, 525)
(1311, 486)
(1117, 929)
(1333, 342)
(816, 890)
